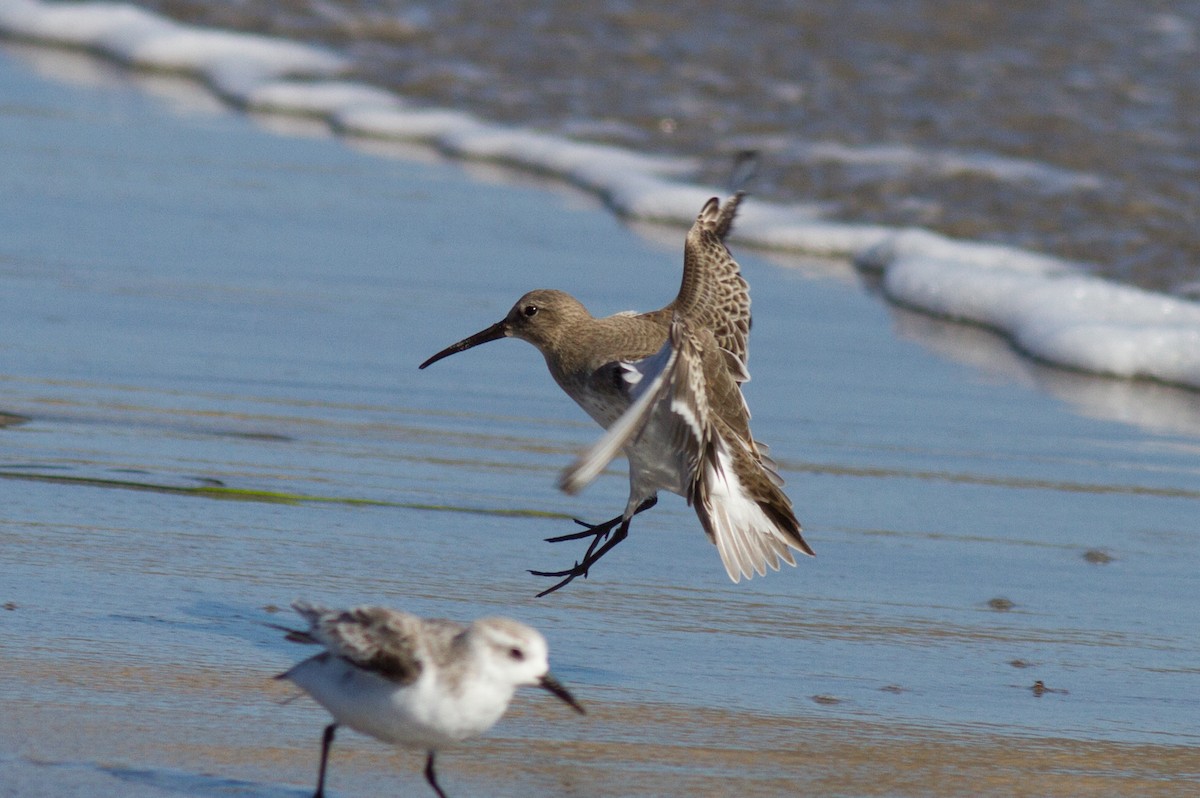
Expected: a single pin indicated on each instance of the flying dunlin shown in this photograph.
(667, 387)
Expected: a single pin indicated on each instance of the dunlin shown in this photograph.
(413, 682)
(667, 387)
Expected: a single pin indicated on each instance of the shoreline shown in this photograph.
(1049, 309)
(250, 309)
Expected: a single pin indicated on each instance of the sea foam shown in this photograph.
(1049, 309)
(232, 64)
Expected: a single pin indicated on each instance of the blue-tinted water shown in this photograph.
(191, 301)
(1063, 128)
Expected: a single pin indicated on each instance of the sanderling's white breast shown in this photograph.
(416, 682)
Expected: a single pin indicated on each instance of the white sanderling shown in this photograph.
(415, 682)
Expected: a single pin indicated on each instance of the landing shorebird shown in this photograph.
(667, 387)
(413, 682)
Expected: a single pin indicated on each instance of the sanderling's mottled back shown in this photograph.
(667, 387)
(413, 682)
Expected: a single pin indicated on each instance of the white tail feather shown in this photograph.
(746, 538)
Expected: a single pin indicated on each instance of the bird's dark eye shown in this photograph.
(516, 654)
(531, 310)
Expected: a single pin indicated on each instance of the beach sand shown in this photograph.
(212, 323)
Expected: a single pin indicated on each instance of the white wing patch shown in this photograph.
(630, 375)
(687, 414)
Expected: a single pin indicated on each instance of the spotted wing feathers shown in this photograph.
(713, 293)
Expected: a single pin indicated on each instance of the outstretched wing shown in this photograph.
(375, 639)
(734, 489)
(713, 293)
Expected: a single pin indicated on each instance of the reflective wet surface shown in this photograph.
(1065, 128)
(211, 333)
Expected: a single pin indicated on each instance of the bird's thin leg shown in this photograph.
(599, 533)
(592, 556)
(602, 529)
(589, 530)
(326, 741)
(581, 567)
(431, 777)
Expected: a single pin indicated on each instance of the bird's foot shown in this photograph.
(589, 530)
(571, 575)
(599, 533)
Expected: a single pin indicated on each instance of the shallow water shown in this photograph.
(1063, 128)
(1047, 306)
(213, 331)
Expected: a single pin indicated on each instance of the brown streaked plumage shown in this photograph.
(666, 385)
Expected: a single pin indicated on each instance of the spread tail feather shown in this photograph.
(751, 532)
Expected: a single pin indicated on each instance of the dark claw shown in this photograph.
(572, 572)
(589, 532)
(610, 533)
(597, 531)
(561, 584)
(600, 534)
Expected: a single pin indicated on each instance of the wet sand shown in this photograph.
(212, 325)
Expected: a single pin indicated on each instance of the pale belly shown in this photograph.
(421, 715)
(655, 462)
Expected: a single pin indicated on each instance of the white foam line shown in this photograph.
(650, 197)
(909, 159)
(328, 99)
(233, 64)
(421, 125)
(914, 242)
(1049, 308)
(807, 234)
(105, 27)
(1059, 316)
(632, 183)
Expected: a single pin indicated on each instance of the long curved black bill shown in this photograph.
(494, 333)
(551, 684)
